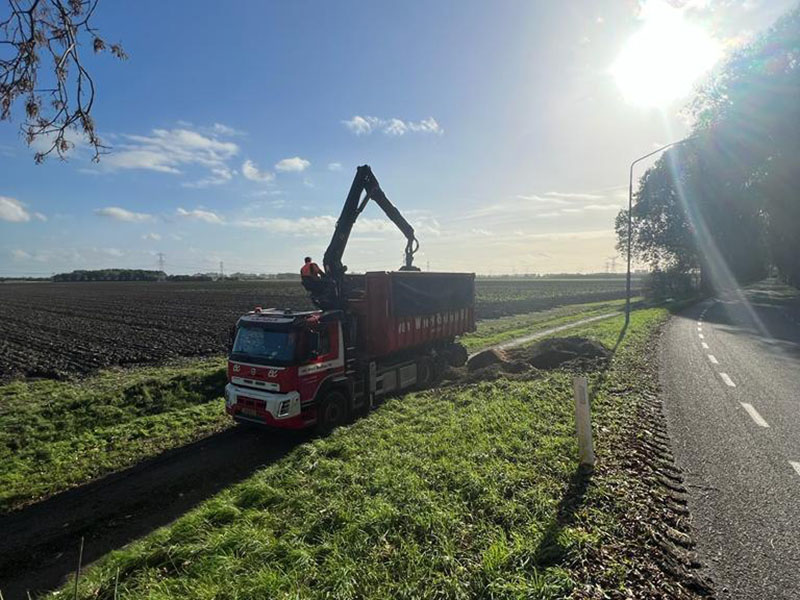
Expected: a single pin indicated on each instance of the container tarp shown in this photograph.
(429, 293)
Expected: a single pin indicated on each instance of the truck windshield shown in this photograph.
(265, 344)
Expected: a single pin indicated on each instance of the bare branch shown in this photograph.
(41, 40)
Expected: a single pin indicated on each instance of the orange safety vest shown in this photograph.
(310, 270)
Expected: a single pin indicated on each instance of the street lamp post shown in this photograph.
(630, 219)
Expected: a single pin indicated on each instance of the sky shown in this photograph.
(503, 131)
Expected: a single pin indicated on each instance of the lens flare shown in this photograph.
(661, 61)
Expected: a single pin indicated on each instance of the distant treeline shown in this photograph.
(147, 275)
(112, 275)
(636, 274)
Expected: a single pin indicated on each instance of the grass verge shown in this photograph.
(464, 492)
(496, 331)
(58, 434)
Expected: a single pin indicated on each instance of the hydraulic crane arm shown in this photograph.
(364, 181)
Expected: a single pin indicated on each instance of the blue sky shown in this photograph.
(497, 128)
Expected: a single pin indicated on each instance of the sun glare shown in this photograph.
(661, 61)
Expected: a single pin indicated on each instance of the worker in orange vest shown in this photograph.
(311, 275)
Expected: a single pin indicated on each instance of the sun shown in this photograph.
(661, 62)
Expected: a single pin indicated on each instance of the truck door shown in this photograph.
(326, 358)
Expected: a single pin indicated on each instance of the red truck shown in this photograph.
(372, 335)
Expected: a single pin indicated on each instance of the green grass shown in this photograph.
(57, 434)
(496, 331)
(463, 492)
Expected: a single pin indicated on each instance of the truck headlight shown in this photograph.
(283, 409)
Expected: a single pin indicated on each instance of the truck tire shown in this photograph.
(332, 412)
(457, 355)
(426, 373)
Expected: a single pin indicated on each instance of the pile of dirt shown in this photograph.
(486, 358)
(573, 353)
(489, 365)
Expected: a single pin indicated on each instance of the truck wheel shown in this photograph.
(457, 355)
(332, 412)
(425, 373)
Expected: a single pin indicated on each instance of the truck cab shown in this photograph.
(279, 365)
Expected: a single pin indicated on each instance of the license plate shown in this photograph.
(250, 412)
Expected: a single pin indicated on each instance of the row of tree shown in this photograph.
(111, 275)
(146, 275)
(725, 203)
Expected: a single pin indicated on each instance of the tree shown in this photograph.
(41, 67)
(727, 202)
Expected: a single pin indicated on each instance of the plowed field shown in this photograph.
(56, 330)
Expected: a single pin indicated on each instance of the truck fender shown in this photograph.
(337, 382)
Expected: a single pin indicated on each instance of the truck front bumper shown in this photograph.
(267, 408)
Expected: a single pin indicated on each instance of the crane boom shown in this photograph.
(364, 181)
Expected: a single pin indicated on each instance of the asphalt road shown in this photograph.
(730, 371)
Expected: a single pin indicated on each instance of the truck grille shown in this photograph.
(248, 402)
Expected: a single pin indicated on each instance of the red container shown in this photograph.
(400, 310)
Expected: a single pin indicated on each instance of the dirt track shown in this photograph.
(39, 545)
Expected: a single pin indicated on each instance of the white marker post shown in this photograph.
(583, 422)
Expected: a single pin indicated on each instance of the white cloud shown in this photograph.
(39, 216)
(201, 215)
(573, 195)
(479, 231)
(312, 226)
(151, 236)
(393, 126)
(218, 176)
(121, 214)
(253, 173)
(602, 207)
(361, 125)
(295, 164)
(334, 166)
(13, 210)
(222, 129)
(20, 255)
(171, 150)
(542, 199)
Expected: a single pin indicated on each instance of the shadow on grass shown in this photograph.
(39, 544)
(551, 549)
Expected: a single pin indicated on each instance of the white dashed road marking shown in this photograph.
(705, 346)
(795, 466)
(713, 359)
(726, 378)
(700, 335)
(754, 414)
